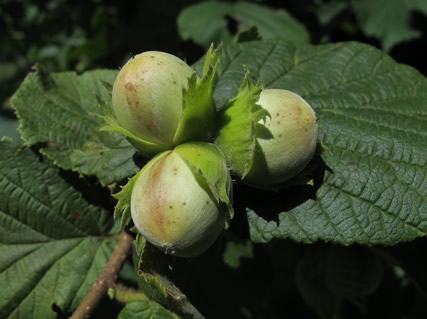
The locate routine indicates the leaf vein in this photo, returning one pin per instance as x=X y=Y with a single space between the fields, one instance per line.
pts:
x=49 y=209
x=387 y=214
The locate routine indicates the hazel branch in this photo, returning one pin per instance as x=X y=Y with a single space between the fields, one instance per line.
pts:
x=107 y=278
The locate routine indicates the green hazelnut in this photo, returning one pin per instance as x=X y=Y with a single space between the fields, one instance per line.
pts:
x=289 y=144
x=173 y=208
x=147 y=96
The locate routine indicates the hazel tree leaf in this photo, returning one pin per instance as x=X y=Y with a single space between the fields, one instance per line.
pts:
x=329 y=10
x=418 y=5
x=56 y=109
x=372 y=113
x=102 y=155
x=205 y=22
x=145 y=310
x=249 y=34
x=387 y=20
x=53 y=243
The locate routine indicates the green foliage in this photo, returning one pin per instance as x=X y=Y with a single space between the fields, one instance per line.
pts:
x=61 y=34
x=58 y=109
x=234 y=252
x=369 y=111
x=37 y=30
x=53 y=242
x=372 y=190
x=205 y=22
x=386 y=20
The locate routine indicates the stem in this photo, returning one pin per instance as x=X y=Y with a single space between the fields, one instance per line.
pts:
x=106 y=279
x=125 y=294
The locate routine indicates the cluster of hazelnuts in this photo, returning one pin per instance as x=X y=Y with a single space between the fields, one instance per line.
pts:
x=181 y=200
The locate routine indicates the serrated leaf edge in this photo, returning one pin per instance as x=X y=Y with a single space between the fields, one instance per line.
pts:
x=206 y=110
x=248 y=95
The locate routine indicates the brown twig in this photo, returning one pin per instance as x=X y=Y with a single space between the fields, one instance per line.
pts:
x=106 y=279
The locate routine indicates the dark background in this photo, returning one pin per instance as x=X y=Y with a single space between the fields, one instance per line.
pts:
x=88 y=34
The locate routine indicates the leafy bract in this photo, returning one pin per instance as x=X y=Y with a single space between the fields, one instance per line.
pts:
x=53 y=243
x=145 y=261
x=145 y=310
x=55 y=109
x=208 y=166
x=372 y=121
x=205 y=22
x=152 y=277
x=236 y=135
x=198 y=119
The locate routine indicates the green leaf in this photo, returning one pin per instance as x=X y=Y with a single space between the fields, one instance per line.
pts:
x=106 y=155
x=209 y=168
x=271 y=23
x=329 y=10
x=145 y=310
x=198 y=118
x=387 y=20
x=53 y=243
x=373 y=121
x=249 y=34
x=205 y=22
x=236 y=135
x=55 y=109
x=151 y=267
x=418 y=5
x=234 y=252
x=146 y=260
